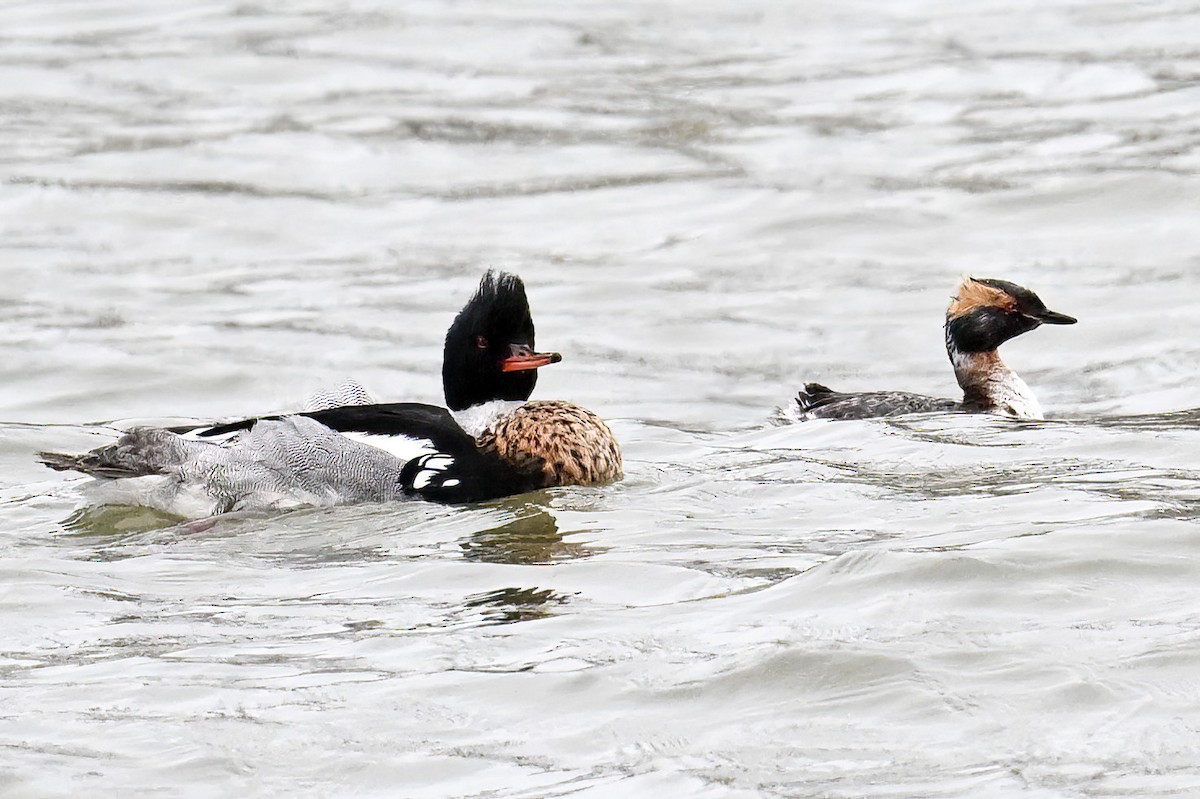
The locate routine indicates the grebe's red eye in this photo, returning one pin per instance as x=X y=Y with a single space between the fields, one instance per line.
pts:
x=481 y=342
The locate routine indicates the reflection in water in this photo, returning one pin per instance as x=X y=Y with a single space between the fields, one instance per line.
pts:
x=531 y=538
x=112 y=520
x=1181 y=420
x=508 y=605
x=529 y=534
x=986 y=479
x=118 y=532
x=1104 y=479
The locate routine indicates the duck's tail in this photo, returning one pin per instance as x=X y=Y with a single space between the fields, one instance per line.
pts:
x=140 y=452
x=813 y=396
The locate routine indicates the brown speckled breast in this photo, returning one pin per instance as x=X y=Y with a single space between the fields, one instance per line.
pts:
x=567 y=444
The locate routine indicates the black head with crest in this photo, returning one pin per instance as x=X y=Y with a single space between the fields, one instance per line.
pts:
x=489 y=353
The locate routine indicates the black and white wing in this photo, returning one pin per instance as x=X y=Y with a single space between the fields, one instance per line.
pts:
x=442 y=462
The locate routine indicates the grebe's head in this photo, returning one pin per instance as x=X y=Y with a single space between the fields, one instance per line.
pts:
x=985 y=313
x=489 y=353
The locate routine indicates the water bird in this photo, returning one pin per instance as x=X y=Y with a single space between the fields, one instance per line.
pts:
x=491 y=441
x=983 y=314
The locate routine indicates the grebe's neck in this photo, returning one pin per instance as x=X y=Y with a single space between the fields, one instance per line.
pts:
x=990 y=386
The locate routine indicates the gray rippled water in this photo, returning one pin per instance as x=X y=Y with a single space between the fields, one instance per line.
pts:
x=209 y=209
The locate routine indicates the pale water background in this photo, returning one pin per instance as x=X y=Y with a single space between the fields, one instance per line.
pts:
x=209 y=209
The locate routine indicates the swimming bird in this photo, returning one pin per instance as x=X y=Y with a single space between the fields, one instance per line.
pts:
x=983 y=314
x=491 y=441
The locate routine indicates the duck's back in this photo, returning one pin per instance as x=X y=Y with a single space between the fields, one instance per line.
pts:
x=271 y=464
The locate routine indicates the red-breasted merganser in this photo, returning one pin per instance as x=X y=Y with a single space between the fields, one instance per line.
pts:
x=983 y=314
x=492 y=442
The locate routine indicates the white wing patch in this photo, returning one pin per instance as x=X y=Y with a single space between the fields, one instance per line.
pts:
x=431 y=467
x=194 y=435
x=403 y=447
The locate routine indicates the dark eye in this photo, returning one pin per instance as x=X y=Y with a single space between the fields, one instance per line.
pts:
x=481 y=342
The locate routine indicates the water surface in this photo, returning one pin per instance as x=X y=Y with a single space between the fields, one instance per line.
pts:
x=210 y=209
